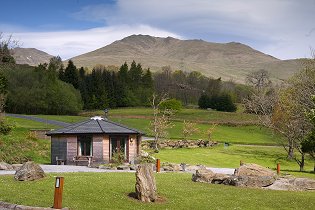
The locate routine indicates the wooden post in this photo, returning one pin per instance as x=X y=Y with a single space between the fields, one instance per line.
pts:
x=58 y=193
x=278 y=168
x=158 y=165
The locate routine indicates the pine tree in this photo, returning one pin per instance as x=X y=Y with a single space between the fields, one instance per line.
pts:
x=71 y=75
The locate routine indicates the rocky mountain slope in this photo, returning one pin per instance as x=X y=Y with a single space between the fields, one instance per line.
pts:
x=30 y=56
x=231 y=61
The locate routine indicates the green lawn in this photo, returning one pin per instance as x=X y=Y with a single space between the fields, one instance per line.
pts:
x=197 y=115
x=233 y=134
x=110 y=190
x=230 y=157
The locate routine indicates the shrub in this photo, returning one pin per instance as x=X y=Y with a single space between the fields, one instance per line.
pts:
x=5 y=127
x=171 y=104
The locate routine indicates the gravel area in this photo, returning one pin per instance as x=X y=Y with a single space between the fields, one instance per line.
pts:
x=73 y=169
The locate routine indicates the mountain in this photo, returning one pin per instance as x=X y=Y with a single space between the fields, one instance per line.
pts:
x=30 y=56
x=231 y=61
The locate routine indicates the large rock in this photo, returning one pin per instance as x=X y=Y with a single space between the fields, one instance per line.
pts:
x=250 y=169
x=29 y=171
x=207 y=176
x=171 y=167
x=145 y=183
x=293 y=184
x=250 y=181
x=6 y=166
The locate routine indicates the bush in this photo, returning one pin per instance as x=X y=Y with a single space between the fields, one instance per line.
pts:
x=5 y=127
x=221 y=102
x=171 y=104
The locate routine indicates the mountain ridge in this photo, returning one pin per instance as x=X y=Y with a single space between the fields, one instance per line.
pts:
x=231 y=61
x=30 y=56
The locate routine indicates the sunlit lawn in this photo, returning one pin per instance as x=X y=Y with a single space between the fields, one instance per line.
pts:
x=110 y=190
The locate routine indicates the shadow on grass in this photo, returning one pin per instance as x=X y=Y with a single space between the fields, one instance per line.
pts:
x=159 y=199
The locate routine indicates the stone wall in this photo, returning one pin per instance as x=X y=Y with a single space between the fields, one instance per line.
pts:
x=178 y=144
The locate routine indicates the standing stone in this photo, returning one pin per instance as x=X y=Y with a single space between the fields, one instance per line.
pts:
x=29 y=171
x=145 y=183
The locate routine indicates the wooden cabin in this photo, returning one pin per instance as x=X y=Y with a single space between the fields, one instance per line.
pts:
x=94 y=140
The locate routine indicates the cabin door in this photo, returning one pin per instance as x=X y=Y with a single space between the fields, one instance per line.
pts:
x=118 y=148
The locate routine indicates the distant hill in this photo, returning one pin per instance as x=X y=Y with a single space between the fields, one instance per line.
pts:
x=231 y=61
x=30 y=56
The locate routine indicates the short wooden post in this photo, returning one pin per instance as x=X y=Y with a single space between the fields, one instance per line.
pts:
x=58 y=193
x=278 y=168
x=158 y=165
x=241 y=163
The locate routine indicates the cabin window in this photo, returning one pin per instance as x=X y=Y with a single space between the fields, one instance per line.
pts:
x=118 y=144
x=85 y=145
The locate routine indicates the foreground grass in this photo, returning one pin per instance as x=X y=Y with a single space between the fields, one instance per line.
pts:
x=230 y=157
x=109 y=191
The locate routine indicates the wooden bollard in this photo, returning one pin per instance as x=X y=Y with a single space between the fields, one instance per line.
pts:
x=158 y=165
x=58 y=193
x=278 y=168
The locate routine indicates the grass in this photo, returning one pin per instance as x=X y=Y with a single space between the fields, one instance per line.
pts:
x=109 y=191
x=230 y=157
x=233 y=134
x=196 y=115
x=19 y=146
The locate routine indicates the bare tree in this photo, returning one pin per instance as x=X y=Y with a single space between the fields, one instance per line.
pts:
x=258 y=79
x=210 y=130
x=161 y=119
x=189 y=128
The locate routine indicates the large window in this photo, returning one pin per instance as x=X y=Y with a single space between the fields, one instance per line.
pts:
x=85 y=145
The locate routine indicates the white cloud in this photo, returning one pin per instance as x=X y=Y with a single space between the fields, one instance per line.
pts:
x=68 y=44
x=268 y=24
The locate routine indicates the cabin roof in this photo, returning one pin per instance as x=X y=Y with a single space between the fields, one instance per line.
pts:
x=95 y=125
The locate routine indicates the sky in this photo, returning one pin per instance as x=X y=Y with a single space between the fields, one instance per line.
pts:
x=284 y=29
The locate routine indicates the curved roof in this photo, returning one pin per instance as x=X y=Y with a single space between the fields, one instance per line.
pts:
x=95 y=125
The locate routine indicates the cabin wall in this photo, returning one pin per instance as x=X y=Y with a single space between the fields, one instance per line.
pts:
x=106 y=148
x=98 y=148
x=133 y=150
x=58 y=149
x=72 y=148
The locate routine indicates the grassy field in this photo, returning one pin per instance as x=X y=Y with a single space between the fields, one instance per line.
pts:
x=230 y=157
x=249 y=134
x=19 y=146
x=110 y=191
x=196 y=115
x=139 y=118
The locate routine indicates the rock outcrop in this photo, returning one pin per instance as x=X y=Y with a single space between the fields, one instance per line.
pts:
x=293 y=184
x=29 y=171
x=207 y=176
x=247 y=175
x=146 y=190
x=6 y=166
x=178 y=144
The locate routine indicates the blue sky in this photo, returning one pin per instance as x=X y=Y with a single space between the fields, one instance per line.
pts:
x=282 y=28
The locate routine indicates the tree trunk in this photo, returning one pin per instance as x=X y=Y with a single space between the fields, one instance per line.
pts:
x=290 y=152
x=302 y=163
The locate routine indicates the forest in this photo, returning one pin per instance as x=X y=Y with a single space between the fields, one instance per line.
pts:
x=54 y=89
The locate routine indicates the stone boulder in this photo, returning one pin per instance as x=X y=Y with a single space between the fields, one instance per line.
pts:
x=250 y=169
x=171 y=167
x=145 y=183
x=250 y=181
x=293 y=184
x=29 y=171
x=6 y=166
x=207 y=176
